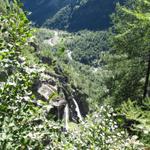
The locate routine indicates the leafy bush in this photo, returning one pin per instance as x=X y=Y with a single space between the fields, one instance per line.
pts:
x=99 y=131
x=140 y=115
x=26 y=126
x=15 y=90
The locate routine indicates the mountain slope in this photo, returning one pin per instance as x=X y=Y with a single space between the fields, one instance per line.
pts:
x=72 y=15
x=42 y=9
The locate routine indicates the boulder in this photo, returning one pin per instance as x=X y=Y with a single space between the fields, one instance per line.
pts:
x=46 y=91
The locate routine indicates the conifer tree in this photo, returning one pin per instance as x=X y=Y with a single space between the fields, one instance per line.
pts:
x=131 y=49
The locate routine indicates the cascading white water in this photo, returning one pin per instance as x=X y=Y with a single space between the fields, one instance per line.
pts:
x=66 y=116
x=78 y=110
x=69 y=53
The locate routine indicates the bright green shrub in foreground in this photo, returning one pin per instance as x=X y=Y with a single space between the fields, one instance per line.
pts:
x=24 y=125
x=140 y=115
x=99 y=131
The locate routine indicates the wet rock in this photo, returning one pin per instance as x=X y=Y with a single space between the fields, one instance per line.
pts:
x=59 y=103
x=58 y=108
x=46 y=91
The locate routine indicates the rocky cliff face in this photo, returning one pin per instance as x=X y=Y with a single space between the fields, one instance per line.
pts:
x=54 y=94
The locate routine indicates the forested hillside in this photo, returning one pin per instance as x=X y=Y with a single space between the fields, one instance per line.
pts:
x=86 y=90
x=72 y=15
x=87 y=47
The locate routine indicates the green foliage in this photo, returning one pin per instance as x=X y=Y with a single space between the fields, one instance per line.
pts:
x=43 y=51
x=43 y=34
x=98 y=131
x=141 y=115
x=91 y=80
x=16 y=111
x=23 y=125
x=60 y=20
x=14 y=34
x=88 y=46
x=3 y=6
x=130 y=42
x=127 y=63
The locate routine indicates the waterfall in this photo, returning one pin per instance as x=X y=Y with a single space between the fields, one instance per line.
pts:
x=66 y=116
x=78 y=110
x=69 y=53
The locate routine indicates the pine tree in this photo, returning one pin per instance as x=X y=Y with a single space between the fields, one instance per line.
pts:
x=131 y=49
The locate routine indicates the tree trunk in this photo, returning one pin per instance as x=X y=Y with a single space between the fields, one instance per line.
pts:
x=147 y=79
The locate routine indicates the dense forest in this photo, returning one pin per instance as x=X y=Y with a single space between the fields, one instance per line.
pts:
x=84 y=90
x=71 y=15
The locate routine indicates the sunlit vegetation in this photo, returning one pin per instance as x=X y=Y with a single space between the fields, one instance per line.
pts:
x=87 y=47
x=85 y=90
